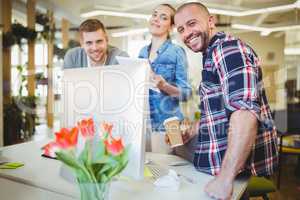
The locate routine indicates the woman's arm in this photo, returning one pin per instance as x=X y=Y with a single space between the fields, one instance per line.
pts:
x=164 y=86
x=182 y=88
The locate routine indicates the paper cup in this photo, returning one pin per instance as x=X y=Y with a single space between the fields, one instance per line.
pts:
x=185 y=125
x=172 y=126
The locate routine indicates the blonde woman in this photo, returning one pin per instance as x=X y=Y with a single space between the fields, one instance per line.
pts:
x=169 y=65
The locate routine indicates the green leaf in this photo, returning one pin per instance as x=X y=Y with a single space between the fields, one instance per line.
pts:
x=105 y=135
x=68 y=159
x=124 y=156
x=107 y=160
x=103 y=178
x=122 y=167
x=81 y=176
x=84 y=154
x=114 y=171
x=122 y=163
x=71 y=161
x=100 y=150
x=104 y=168
x=102 y=160
x=97 y=167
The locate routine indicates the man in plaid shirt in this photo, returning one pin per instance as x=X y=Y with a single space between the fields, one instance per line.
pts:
x=236 y=131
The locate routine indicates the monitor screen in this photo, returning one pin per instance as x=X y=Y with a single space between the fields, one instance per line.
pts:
x=117 y=94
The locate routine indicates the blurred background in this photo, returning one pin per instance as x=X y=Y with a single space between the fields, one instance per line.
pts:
x=37 y=33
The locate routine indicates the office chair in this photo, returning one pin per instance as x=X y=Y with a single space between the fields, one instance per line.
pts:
x=260 y=187
x=287 y=124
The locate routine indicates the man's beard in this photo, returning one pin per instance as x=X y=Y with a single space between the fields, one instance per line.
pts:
x=101 y=56
x=204 y=37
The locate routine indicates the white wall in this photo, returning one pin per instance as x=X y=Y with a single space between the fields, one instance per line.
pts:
x=120 y=42
x=1 y=82
x=265 y=46
x=270 y=50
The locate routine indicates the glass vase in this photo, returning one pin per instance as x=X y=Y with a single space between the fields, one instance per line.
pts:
x=94 y=191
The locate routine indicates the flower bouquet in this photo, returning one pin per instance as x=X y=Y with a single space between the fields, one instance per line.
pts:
x=101 y=158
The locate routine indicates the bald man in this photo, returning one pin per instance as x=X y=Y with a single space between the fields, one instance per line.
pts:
x=236 y=133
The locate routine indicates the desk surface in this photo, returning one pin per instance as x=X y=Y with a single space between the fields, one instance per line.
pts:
x=42 y=174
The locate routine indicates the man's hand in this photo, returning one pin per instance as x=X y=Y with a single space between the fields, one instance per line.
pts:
x=219 y=188
x=241 y=137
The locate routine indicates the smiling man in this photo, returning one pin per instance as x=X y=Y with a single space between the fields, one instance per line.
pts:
x=94 y=50
x=236 y=133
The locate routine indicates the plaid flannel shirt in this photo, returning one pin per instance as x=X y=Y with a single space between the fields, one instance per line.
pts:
x=231 y=81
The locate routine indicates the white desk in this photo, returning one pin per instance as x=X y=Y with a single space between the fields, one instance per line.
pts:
x=39 y=179
x=14 y=190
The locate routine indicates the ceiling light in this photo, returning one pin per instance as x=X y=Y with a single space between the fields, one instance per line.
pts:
x=113 y=13
x=243 y=13
x=265 y=33
x=249 y=27
x=297 y=3
x=285 y=28
x=225 y=12
x=292 y=51
x=265 y=30
x=130 y=32
x=268 y=10
x=234 y=13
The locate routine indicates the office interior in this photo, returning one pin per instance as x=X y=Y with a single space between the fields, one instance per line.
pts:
x=32 y=70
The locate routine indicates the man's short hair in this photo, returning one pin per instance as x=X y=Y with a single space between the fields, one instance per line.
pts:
x=197 y=4
x=91 y=25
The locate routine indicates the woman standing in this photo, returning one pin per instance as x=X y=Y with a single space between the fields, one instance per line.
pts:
x=169 y=66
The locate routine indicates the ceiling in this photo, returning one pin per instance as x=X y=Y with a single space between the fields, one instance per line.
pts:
x=74 y=8
x=229 y=13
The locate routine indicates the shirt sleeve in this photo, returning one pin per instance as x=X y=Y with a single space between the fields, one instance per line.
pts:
x=68 y=60
x=181 y=77
x=237 y=68
x=113 y=52
x=143 y=53
x=123 y=54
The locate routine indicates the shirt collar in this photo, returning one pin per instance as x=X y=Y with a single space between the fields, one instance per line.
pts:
x=88 y=61
x=162 y=48
x=219 y=36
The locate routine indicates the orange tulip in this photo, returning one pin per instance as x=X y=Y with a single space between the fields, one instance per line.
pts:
x=114 y=146
x=50 y=149
x=87 y=128
x=67 y=138
x=107 y=128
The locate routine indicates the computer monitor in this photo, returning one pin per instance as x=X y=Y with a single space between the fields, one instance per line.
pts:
x=116 y=94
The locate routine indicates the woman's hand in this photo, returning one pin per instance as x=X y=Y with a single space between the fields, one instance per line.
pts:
x=159 y=81
x=164 y=86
